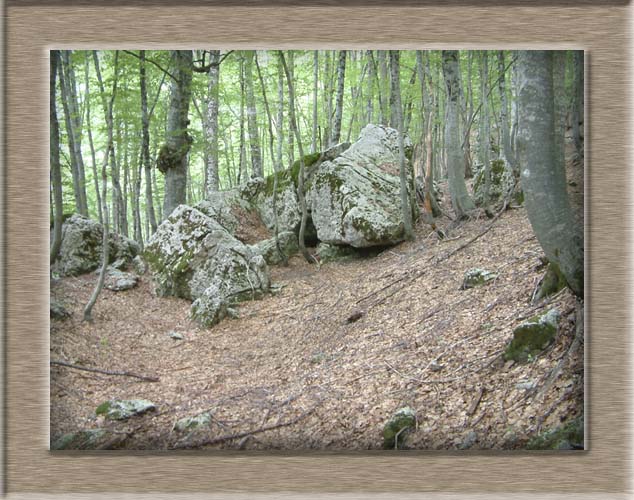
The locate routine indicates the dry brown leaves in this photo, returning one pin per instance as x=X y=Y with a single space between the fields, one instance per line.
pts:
x=418 y=340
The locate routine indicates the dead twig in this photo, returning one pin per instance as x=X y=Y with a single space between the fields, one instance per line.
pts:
x=105 y=372
x=239 y=435
x=475 y=402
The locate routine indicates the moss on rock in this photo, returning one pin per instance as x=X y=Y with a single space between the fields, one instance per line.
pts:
x=532 y=337
x=396 y=428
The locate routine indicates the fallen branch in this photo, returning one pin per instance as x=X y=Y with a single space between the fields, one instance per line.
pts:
x=105 y=372
x=476 y=402
x=239 y=435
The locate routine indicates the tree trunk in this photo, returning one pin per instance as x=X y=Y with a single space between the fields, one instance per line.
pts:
x=397 y=111
x=341 y=76
x=104 y=187
x=504 y=111
x=252 y=118
x=559 y=91
x=91 y=142
x=485 y=132
x=313 y=148
x=327 y=78
x=56 y=171
x=211 y=127
x=173 y=156
x=370 y=91
x=145 y=146
x=383 y=81
x=543 y=176
x=577 y=106
x=460 y=199
x=300 y=180
x=290 y=65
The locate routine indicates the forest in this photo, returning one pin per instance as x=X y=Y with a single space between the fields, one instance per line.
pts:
x=317 y=249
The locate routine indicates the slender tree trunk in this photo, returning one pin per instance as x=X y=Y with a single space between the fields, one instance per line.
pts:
x=126 y=180
x=211 y=127
x=468 y=162
x=461 y=201
x=276 y=166
x=56 y=171
x=514 y=117
x=504 y=111
x=313 y=148
x=104 y=187
x=252 y=117
x=485 y=133
x=300 y=180
x=145 y=146
x=243 y=153
x=397 y=111
x=90 y=140
x=280 y=112
x=328 y=90
x=383 y=82
x=290 y=65
x=173 y=157
x=543 y=176
x=341 y=75
x=370 y=89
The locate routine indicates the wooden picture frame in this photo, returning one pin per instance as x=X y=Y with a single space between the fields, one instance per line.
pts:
x=33 y=27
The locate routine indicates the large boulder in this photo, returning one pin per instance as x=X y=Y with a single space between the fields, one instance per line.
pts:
x=193 y=256
x=81 y=248
x=355 y=199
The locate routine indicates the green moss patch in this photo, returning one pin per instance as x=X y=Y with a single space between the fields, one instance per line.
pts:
x=532 y=337
x=565 y=437
x=395 y=429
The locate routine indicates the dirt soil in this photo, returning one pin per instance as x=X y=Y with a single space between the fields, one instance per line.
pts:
x=324 y=363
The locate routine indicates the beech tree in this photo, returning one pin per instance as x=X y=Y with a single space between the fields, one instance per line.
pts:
x=543 y=175
x=460 y=199
x=56 y=172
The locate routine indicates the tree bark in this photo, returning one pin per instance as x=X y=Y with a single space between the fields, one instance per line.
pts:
x=370 y=91
x=252 y=117
x=397 y=111
x=341 y=76
x=543 y=176
x=212 y=177
x=577 y=107
x=461 y=201
x=280 y=112
x=173 y=156
x=504 y=111
x=104 y=187
x=95 y=175
x=485 y=133
x=145 y=146
x=300 y=180
x=313 y=148
x=56 y=171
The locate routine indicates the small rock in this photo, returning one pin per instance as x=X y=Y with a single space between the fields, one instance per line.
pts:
x=526 y=385
x=124 y=409
x=477 y=277
x=533 y=336
x=193 y=423
x=435 y=367
x=175 y=335
x=395 y=429
x=469 y=440
x=58 y=311
x=118 y=281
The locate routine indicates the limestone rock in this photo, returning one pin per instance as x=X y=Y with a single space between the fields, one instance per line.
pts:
x=330 y=253
x=89 y=439
x=355 y=198
x=268 y=249
x=502 y=182
x=123 y=409
x=395 y=429
x=81 y=248
x=194 y=257
x=533 y=336
x=477 y=277
x=192 y=423
x=118 y=281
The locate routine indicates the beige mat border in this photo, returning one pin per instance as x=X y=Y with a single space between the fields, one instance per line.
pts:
x=34 y=28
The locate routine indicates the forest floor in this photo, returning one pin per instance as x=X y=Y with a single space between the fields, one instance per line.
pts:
x=324 y=363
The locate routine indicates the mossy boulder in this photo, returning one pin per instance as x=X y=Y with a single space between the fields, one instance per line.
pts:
x=395 y=429
x=117 y=409
x=477 y=277
x=355 y=198
x=193 y=257
x=502 y=183
x=81 y=248
x=533 y=336
x=568 y=436
x=89 y=439
x=289 y=246
x=189 y=424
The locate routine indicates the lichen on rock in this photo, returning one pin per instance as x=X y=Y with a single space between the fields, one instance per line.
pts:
x=533 y=336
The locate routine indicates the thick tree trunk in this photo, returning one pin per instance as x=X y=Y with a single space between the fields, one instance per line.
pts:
x=145 y=146
x=397 y=111
x=577 y=103
x=173 y=156
x=56 y=171
x=252 y=117
x=559 y=91
x=543 y=176
x=211 y=126
x=461 y=201
x=341 y=76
